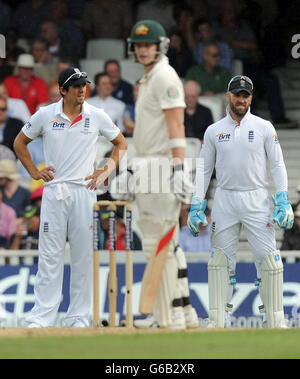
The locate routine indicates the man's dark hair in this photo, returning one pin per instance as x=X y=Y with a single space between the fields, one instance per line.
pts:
x=98 y=76
x=200 y=21
x=115 y=61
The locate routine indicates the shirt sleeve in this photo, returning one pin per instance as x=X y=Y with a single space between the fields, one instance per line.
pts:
x=107 y=127
x=169 y=92
x=207 y=160
x=275 y=156
x=34 y=127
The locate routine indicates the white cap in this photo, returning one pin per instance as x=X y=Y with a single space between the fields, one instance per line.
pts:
x=25 y=60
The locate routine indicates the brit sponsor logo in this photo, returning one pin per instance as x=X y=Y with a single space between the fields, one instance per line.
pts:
x=57 y=125
x=224 y=137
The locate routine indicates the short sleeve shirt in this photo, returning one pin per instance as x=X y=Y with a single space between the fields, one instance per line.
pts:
x=161 y=89
x=70 y=147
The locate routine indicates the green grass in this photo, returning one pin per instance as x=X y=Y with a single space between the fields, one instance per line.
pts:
x=194 y=345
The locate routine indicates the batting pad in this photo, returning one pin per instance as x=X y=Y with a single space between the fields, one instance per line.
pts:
x=272 y=289
x=218 y=285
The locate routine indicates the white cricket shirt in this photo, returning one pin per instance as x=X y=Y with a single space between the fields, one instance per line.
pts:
x=240 y=152
x=160 y=89
x=113 y=107
x=70 y=147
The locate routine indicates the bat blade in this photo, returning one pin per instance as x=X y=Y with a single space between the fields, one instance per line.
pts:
x=153 y=273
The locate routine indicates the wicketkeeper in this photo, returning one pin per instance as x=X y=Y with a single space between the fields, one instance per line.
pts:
x=239 y=147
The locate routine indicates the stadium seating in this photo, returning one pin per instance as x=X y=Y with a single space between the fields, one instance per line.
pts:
x=105 y=49
x=131 y=71
x=91 y=67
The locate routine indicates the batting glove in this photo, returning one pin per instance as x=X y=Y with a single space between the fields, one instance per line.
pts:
x=181 y=184
x=196 y=216
x=283 y=214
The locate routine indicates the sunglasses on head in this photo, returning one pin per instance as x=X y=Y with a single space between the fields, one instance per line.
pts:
x=75 y=76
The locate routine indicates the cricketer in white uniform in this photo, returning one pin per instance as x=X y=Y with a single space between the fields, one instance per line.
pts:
x=158 y=135
x=70 y=129
x=239 y=147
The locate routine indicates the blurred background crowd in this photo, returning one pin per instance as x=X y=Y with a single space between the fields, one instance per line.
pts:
x=210 y=41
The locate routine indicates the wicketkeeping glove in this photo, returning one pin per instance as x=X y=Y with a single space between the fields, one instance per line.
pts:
x=283 y=214
x=197 y=216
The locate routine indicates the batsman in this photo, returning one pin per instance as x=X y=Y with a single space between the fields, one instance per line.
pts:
x=159 y=134
x=240 y=147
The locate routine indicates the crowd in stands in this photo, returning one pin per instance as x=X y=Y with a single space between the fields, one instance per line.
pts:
x=206 y=37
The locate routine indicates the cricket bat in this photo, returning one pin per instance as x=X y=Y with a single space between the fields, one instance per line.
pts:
x=153 y=272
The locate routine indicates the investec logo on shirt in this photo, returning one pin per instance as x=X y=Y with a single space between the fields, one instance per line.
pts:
x=57 y=125
x=223 y=137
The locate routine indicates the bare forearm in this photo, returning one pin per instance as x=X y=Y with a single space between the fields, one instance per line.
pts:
x=24 y=156
x=20 y=146
x=175 y=123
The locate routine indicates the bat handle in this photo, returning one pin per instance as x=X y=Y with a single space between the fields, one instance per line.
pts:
x=96 y=294
x=129 y=265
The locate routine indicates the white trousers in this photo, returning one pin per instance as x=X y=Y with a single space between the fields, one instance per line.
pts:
x=67 y=213
x=233 y=210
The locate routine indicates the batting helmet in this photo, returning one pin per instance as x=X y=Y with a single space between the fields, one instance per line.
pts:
x=148 y=31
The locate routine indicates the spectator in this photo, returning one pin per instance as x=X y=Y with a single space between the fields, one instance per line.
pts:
x=187 y=241
x=238 y=34
x=25 y=85
x=54 y=94
x=129 y=113
x=49 y=31
x=42 y=67
x=17 y=108
x=196 y=116
x=14 y=195
x=291 y=239
x=28 y=17
x=203 y=32
x=122 y=90
x=6 y=154
x=107 y=19
x=184 y=18
x=9 y=127
x=113 y=107
x=8 y=223
x=27 y=234
x=5 y=69
x=36 y=149
x=69 y=33
x=180 y=56
x=157 y=10
x=5 y=16
x=212 y=78
x=7 y=65
x=120 y=232
x=36 y=197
